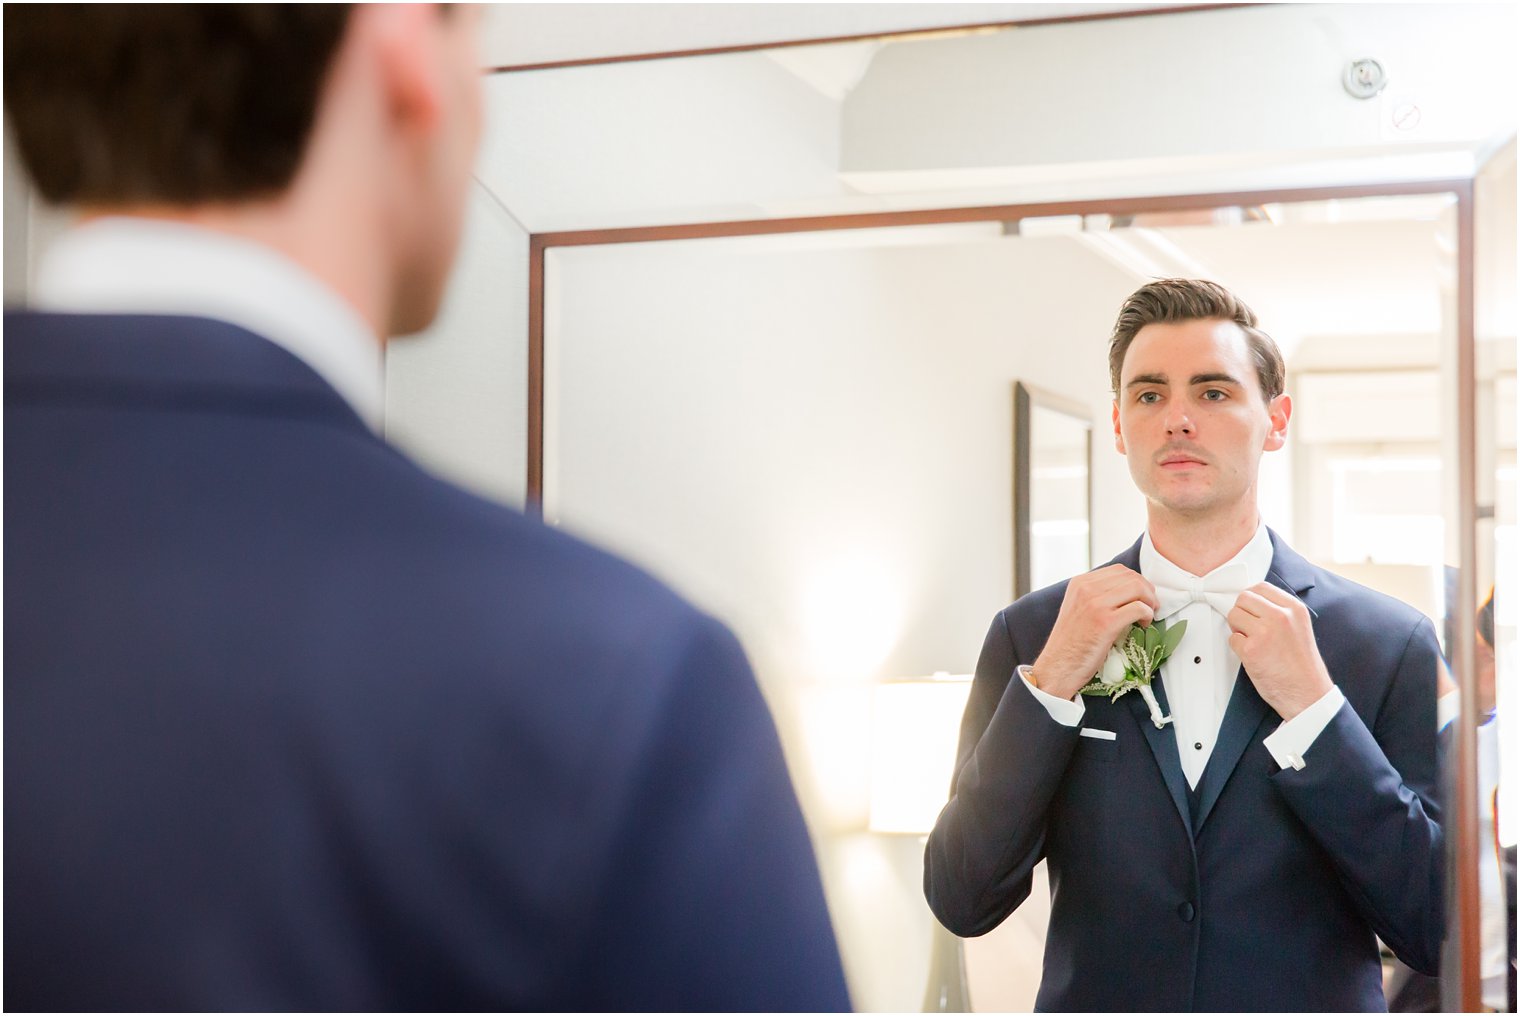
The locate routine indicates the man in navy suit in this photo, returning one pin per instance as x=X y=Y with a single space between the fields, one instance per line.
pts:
x=289 y=722
x=1240 y=847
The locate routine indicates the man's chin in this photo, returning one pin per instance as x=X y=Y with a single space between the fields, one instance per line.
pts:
x=1188 y=503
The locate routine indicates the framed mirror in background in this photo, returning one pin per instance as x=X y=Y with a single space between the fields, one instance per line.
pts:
x=851 y=520
x=1052 y=488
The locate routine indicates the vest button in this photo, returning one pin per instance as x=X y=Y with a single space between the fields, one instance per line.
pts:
x=1185 y=911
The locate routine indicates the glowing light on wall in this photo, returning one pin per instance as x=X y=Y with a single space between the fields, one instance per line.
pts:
x=836 y=731
x=851 y=618
x=914 y=729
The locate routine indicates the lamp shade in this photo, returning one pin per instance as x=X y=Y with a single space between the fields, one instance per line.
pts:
x=913 y=735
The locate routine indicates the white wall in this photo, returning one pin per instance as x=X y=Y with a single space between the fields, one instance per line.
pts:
x=711 y=389
x=814 y=443
x=17 y=198
x=456 y=396
x=31 y=225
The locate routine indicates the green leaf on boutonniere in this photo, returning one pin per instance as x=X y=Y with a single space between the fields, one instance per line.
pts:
x=1170 y=637
x=1134 y=661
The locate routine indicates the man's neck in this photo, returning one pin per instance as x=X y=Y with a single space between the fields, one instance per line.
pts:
x=1199 y=544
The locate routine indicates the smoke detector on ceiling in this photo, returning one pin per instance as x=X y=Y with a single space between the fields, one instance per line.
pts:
x=1364 y=78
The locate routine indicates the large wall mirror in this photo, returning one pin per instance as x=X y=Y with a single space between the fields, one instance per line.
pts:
x=751 y=319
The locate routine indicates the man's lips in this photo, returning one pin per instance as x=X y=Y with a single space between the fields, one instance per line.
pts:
x=1181 y=461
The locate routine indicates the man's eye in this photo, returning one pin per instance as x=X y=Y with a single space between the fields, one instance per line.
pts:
x=1149 y=398
x=1214 y=395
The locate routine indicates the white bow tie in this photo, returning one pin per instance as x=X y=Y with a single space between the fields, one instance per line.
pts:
x=1219 y=589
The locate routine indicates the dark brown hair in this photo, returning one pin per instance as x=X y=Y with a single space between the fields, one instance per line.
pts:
x=1168 y=301
x=165 y=103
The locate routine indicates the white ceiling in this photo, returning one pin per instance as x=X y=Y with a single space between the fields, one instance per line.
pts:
x=1369 y=279
x=769 y=133
x=1327 y=271
x=756 y=135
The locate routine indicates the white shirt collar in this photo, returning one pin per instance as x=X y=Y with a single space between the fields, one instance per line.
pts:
x=147 y=266
x=1252 y=562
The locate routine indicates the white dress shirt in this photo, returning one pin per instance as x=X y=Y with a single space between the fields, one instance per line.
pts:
x=1199 y=677
x=123 y=265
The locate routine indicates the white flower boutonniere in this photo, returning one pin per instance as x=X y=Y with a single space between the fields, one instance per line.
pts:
x=1133 y=661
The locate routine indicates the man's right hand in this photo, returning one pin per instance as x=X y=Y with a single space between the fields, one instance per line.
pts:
x=1099 y=607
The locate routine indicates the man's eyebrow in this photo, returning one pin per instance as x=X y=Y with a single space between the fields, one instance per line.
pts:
x=1196 y=379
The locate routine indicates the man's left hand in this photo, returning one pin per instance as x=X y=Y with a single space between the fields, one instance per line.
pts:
x=1271 y=632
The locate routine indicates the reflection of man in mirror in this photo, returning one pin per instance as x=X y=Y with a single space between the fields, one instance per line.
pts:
x=1243 y=845
x=1496 y=863
x=1408 y=990
x=289 y=722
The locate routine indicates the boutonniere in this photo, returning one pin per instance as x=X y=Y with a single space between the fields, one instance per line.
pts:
x=1133 y=661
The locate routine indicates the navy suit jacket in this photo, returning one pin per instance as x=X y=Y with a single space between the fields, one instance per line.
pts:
x=1269 y=897
x=292 y=724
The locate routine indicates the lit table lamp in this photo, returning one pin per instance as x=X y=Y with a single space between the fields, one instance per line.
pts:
x=914 y=727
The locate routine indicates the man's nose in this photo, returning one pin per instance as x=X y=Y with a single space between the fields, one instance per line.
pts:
x=1178 y=421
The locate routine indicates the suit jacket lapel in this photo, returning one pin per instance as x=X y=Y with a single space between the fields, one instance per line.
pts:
x=1247 y=711
x=1290 y=572
x=1163 y=745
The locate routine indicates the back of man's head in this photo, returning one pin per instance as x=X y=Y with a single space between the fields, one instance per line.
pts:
x=343 y=135
x=172 y=104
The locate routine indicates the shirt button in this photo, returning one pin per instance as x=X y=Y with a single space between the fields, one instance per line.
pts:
x=1185 y=911
x=1196 y=744
x=1198 y=659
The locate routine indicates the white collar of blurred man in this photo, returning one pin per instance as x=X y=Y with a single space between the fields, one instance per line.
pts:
x=128 y=265
x=376 y=206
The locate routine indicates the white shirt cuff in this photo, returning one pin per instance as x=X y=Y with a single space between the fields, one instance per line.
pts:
x=1064 y=711
x=1294 y=737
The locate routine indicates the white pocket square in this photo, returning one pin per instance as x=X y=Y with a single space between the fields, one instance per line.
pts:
x=1102 y=735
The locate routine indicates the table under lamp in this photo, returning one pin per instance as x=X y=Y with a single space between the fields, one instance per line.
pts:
x=914 y=727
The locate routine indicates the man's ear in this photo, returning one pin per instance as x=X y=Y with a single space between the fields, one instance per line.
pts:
x=404 y=37
x=1118 y=434
x=1278 y=412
